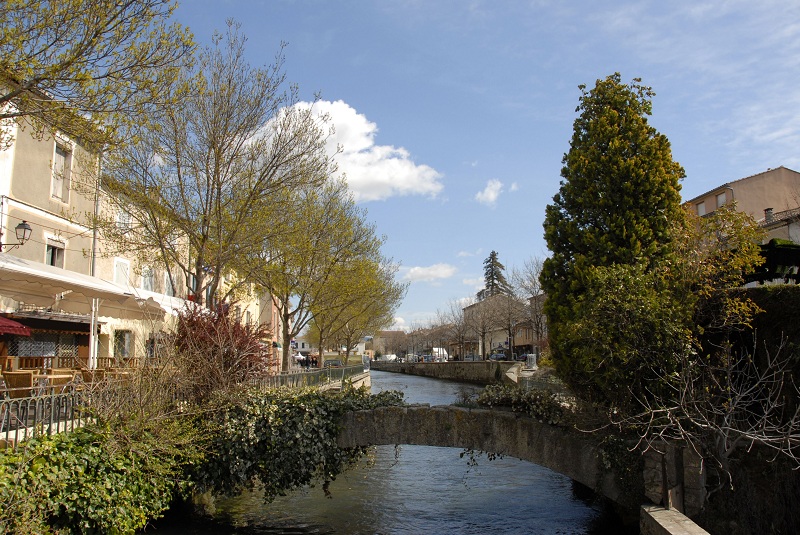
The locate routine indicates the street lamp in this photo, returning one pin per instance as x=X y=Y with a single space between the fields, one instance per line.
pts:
x=23 y=231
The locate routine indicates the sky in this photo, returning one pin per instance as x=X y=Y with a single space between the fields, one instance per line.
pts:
x=454 y=115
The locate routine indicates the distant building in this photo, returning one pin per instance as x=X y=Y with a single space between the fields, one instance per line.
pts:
x=772 y=198
x=773 y=191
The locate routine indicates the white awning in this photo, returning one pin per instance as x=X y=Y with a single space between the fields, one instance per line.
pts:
x=44 y=285
x=19 y=276
x=169 y=304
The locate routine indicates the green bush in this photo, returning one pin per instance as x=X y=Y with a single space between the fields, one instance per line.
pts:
x=280 y=440
x=86 y=481
x=114 y=478
x=546 y=407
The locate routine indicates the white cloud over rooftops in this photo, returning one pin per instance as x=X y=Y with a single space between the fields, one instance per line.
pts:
x=374 y=172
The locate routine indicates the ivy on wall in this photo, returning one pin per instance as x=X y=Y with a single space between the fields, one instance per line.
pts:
x=281 y=440
x=115 y=477
x=83 y=482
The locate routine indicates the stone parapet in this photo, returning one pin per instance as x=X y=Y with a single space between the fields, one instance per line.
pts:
x=655 y=520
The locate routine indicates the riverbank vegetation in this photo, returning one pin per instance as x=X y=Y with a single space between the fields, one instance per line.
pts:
x=164 y=435
x=116 y=475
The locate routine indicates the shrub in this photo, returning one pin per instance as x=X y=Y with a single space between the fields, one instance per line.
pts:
x=85 y=482
x=281 y=439
x=214 y=351
x=546 y=407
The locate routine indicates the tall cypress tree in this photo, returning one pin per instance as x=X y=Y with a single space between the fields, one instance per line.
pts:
x=494 y=277
x=619 y=195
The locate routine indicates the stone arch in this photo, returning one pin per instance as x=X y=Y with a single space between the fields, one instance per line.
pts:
x=562 y=450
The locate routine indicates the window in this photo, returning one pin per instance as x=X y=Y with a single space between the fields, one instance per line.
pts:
x=721 y=198
x=121 y=270
x=701 y=208
x=54 y=255
x=122 y=345
x=123 y=221
x=168 y=289
x=62 y=162
x=148 y=279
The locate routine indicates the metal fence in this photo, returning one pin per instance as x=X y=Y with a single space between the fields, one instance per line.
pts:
x=25 y=418
x=301 y=379
x=28 y=417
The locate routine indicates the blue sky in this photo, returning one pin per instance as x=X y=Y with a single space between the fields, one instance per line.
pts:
x=454 y=115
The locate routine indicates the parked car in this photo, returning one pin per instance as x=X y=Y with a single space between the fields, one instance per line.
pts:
x=332 y=363
x=498 y=356
x=524 y=357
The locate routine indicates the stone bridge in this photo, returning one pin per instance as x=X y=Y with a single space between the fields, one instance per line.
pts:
x=674 y=479
x=562 y=450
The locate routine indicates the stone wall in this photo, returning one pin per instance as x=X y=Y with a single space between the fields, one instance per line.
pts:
x=479 y=372
x=655 y=520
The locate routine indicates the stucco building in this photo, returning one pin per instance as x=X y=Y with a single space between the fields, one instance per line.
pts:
x=83 y=306
x=773 y=191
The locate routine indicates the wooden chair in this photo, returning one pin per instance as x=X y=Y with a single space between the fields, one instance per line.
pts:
x=58 y=385
x=19 y=384
x=92 y=376
x=61 y=371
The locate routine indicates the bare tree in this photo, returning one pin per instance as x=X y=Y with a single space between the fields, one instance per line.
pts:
x=394 y=342
x=458 y=329
x=722 y=409
x=508 y=311
x=480 y=320
x=527 y=286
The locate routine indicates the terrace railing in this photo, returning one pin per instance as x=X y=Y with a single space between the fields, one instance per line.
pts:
x=318 y=378
x=28 y=417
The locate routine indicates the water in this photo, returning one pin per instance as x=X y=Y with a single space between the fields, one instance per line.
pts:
x=418 y=489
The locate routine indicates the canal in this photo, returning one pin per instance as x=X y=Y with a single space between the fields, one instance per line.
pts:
x=419 y=489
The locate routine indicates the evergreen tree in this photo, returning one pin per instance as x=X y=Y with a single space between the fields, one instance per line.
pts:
x=619 y=196
x=494 y=277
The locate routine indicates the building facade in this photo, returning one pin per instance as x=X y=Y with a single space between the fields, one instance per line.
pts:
x=774 y=190
x=83 y=306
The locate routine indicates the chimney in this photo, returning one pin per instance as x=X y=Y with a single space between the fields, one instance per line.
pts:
x=767 y=215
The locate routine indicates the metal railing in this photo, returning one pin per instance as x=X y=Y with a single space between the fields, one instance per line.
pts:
x=321 y=377
x=47 y=414
x=25 y=418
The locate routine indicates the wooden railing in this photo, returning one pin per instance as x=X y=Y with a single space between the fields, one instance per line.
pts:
x=14 y=363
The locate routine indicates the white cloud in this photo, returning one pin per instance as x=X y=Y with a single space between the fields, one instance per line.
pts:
x=490 y=193
x=374 y=172
x=476 y=283
x=468 y=254
x=432 y=273
x=399 y=324
x=514 y=187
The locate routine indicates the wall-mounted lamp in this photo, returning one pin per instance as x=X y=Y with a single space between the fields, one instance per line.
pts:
x=23 y=231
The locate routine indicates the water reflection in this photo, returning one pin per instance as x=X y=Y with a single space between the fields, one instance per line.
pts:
x=418 y=489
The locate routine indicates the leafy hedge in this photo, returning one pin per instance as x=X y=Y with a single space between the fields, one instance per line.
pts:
x=112 y=479
x=280 y=440
x=545 y=406
x=84 y=482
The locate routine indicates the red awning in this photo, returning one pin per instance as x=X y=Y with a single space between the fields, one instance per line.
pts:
x=8 y=326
